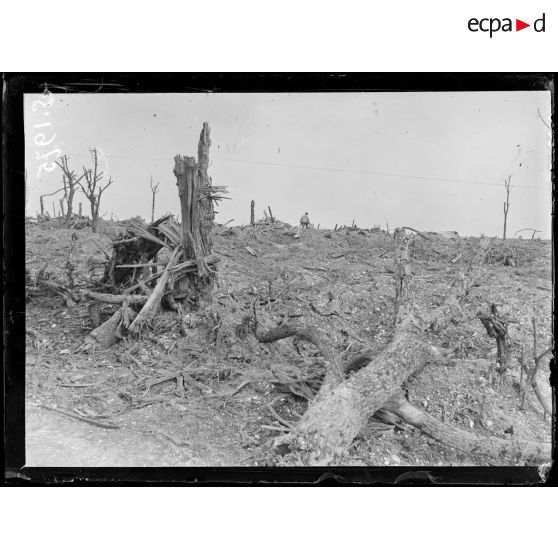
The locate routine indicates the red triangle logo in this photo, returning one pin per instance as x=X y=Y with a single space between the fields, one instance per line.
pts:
x=519 y=25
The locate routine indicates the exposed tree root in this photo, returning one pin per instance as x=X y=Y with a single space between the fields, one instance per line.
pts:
x=334 y=374
x=100 y=424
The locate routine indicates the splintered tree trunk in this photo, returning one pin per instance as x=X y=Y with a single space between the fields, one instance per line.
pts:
x=42 y=205
x=196 y=205
x=80 y=210
x=252 y=211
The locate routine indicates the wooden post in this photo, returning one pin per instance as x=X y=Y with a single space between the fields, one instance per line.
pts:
x=271 y=214
x=42 y=205
x=80 y=209
x=154 y=189
x=196 y=205
x=252 y=210
x=53 y=210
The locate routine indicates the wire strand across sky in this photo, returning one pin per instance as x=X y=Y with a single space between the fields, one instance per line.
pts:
x=331 y=169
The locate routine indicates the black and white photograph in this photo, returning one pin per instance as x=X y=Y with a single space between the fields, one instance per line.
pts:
x=288 y=279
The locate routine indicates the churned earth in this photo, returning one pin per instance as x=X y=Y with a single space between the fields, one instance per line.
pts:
x=136 y=410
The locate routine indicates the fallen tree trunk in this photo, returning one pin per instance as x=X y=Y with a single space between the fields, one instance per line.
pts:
x=335 y=418
x=108 y=298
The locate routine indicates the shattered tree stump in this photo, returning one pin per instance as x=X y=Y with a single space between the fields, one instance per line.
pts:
x=198 y=214
x=497 y=328
x=111 y=331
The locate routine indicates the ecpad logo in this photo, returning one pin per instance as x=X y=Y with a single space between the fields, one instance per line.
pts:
x=494 y=24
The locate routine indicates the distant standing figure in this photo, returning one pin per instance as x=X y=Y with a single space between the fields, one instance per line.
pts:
x=305 y=221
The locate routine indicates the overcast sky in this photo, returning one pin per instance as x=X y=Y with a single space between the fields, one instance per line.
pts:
x=433 y=161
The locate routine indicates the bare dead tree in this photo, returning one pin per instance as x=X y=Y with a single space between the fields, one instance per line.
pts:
x=93 y=189
x=154 y=189
x=507 y=186
x=70 y=185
